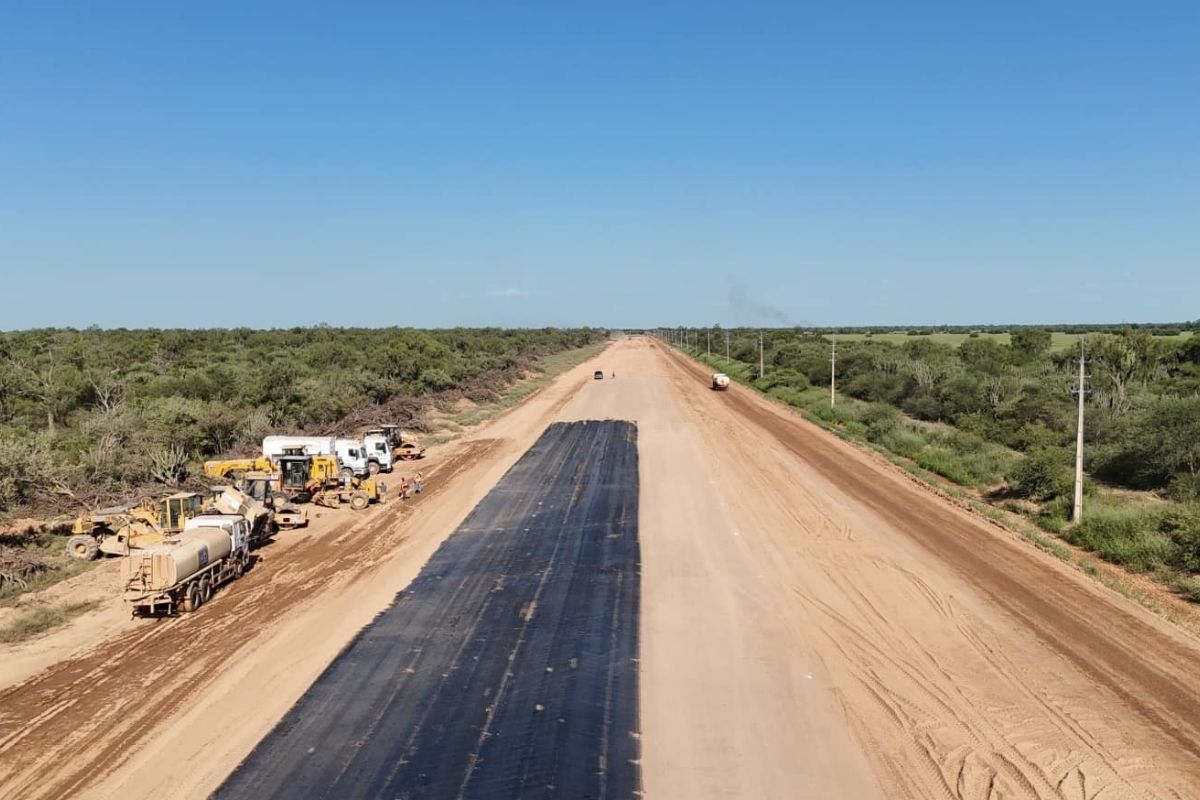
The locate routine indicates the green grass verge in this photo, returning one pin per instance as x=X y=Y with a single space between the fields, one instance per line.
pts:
x=40 y=620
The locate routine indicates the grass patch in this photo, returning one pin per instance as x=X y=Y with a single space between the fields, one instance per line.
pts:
x=1125 y=535
x=40 y=620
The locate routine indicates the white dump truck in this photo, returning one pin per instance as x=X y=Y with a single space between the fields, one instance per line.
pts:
x=720 y=381
x=182 y=573
x=351 y=453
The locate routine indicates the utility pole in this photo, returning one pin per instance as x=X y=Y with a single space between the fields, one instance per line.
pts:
x=833 y=371
x=1077 y=512
x=760 y=354
x=708 y=343
x=726 y=347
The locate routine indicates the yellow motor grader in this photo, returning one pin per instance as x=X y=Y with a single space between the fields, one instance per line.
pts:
x=297 y=477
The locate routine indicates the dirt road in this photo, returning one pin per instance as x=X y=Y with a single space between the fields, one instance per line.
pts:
x=813 y=624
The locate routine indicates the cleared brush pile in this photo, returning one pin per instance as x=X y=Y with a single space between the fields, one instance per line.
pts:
x=17 y=567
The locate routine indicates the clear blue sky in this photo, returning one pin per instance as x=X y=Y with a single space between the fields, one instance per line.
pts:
x=211 y=163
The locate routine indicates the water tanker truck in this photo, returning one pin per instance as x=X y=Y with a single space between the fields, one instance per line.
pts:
x=181 y=573
x=720 y=381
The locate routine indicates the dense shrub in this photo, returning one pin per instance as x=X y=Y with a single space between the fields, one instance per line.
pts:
x=90 y=412
x=1043 y=474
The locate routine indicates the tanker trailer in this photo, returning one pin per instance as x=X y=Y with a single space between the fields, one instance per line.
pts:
x=182 y=573
x=720 y=381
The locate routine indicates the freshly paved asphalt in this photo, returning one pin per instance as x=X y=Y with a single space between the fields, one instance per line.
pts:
x=508 y=669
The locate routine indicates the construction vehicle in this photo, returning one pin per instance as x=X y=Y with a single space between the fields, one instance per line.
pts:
x=357 y=492
x=404 y=447
x=235 y=467
x=230 y=500
x=142 y=523
x=720 y=381
x=117 y=530
x=182 y=572
x=350 y=453
x=380 y=457
x=266 y=487
x=299 y=474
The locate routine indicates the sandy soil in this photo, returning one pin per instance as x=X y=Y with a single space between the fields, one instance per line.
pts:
x=968 y=663
x=813 y=625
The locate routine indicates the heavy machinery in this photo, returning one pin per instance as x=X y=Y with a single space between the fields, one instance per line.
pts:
x=350 y=453
x=266 y=488
x=720 y=381
x=183 y=571
x=298 y=473
x=230 y=500
x=141 y=523
x=358 y=492
x=146 y=522
x=320 y=479
x=235 y=467
x=404 y=447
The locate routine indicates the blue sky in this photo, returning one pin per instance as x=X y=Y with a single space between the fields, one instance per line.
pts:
x=624 y=164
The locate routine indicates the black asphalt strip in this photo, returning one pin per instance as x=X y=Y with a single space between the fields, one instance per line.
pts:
x=507 y=669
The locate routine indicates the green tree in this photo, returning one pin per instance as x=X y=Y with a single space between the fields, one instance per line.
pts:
x=1031 y=343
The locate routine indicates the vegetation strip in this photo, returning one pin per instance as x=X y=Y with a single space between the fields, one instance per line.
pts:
x=121 y=394
x=993 y=420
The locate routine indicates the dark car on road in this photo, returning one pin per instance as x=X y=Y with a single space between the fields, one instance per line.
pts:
x=598 y=375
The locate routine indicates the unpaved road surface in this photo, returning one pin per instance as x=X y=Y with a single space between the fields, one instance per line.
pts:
x=812 y=625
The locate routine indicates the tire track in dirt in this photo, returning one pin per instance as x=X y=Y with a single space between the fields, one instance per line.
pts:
x=945 y=701
x=75 y=722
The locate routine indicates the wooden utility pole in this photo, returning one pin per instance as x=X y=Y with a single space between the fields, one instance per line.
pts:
x=727 y=347
x=708 y=343
x=1077 y=512
x=833 y=372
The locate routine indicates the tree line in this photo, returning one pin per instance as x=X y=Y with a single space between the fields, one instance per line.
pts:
x=89 y=414
x=1143 y=401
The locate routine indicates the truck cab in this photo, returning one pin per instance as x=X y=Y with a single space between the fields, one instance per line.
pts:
x=352 y=455
x=379 y=453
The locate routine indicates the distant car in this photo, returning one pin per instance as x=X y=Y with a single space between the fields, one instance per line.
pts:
x=598 y=375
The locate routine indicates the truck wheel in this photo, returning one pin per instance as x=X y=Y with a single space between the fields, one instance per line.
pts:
x=347 y=473
x=372 y=467
x=280 y=498
x=84 y=548
x=205 y=590
x=359 y=501
x=191 y=598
